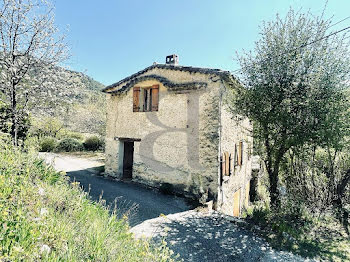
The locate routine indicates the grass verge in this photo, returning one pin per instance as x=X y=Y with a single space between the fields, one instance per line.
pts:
x=320 y=238
x=45 y=218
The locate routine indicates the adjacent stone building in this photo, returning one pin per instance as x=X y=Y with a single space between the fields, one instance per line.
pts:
x=169 y=126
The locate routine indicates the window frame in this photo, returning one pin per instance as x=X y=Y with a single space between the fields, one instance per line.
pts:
x=146 y=99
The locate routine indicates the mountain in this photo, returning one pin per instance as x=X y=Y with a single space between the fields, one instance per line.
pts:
x=78 y=102
x=88 y=82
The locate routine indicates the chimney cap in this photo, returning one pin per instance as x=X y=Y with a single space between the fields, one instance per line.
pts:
x=172 y=59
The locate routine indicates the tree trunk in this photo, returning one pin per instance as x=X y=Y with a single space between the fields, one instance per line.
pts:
x=14 y=126
x=273 y=180
x=343 y=214
x=274 y=193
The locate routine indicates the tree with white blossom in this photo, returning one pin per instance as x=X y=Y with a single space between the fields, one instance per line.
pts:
x=31 y=49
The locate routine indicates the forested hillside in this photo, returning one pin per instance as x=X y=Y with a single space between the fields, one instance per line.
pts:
x=78 y=103
x=56 y=105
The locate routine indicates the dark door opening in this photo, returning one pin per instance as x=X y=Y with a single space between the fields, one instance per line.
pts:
x=128 y=160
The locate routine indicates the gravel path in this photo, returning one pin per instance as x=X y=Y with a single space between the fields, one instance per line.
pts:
x=200 y=237
x=196 y=236
x=136 y=202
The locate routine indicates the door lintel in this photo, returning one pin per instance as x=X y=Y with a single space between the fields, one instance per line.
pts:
x=127 y=139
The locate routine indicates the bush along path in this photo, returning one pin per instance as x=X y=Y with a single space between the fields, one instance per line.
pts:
x=46 y=218
x=70 y=144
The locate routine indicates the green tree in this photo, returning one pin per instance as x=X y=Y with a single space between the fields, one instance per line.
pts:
x=6 y=124
x=46 y=126
x=294 y=87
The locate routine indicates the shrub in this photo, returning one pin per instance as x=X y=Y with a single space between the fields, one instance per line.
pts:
x=69 y=145
x=75 y=135
x=259 y=214
x=5 y=138
x=32 y=143
x=64 y=133
x=93 y=143
x=47 y=144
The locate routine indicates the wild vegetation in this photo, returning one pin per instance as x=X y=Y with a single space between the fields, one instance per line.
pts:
x=45 y=107
x=297 y=84
x=43 y=217
x=50 y=136
x=33 y=83
x=30 y=45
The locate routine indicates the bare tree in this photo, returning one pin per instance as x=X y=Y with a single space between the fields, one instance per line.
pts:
x=30 y=47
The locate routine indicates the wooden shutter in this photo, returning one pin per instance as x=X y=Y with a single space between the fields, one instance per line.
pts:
x=155 y=97
x=240 y=153
x=227 y=163
x=136 y=99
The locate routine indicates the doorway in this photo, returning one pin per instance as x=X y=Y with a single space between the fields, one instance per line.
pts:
x=128 y=160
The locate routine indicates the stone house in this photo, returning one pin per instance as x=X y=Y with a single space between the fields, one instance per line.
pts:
x=169 y=126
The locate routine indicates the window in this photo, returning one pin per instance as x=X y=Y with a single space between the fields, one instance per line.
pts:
x=145 y=99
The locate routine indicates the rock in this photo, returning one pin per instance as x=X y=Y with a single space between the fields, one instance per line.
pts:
x=43 y=211
x=45 y=249
x=41 y=191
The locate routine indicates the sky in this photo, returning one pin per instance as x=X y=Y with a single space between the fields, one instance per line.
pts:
x=112 y=39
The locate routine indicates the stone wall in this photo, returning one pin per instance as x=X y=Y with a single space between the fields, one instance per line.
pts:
x=233 y=130
x=179 y=142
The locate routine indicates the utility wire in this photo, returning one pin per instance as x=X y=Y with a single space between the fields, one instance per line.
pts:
x=317 y=40
x=312 y=42
x=339 y=21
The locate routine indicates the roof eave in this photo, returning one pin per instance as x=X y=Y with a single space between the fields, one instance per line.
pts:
x=218 y=72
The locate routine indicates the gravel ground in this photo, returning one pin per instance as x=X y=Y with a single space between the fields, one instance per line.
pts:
x=195 y=236
x=200 y=237
x=70 y=163
x=136 y=202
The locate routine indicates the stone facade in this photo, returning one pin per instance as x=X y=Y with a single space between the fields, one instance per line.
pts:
x=237 y=183
x=181 y=143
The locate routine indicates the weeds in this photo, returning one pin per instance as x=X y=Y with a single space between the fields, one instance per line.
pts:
x=44 y=218
x=297 y=231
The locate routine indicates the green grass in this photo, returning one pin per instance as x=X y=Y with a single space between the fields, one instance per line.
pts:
x=45 y=218
x=322 y=238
